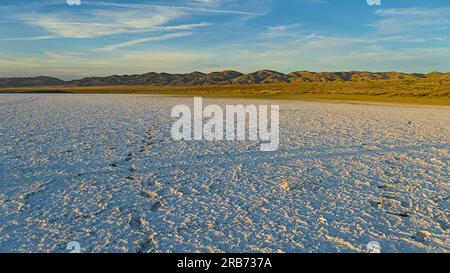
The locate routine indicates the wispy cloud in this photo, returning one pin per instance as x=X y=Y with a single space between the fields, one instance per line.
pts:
x=145 y=40
x=283 y=30
x=112 y=18
x=173 y=7
x=284 y=27
x=394 y=21
x=31 y=38
x=98 y=23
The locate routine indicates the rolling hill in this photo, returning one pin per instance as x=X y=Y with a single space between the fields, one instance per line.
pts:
x=30 y=82
x=227 y=77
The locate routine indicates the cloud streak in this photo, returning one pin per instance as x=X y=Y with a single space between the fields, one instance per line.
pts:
x=173 y=7
x=115 y=18
x=98 y=23
x=32 y=38
x=394 y=21
x=164 y=37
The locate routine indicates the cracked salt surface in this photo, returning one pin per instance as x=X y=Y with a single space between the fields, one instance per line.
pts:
x=103 y=170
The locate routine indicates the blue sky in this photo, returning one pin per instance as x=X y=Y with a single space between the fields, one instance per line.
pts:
x=50 y=37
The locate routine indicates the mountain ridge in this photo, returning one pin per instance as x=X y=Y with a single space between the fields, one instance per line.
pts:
x=227 y=77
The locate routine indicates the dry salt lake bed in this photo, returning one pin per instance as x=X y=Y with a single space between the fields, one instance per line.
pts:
x=103 y=170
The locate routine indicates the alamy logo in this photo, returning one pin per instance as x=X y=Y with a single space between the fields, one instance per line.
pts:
x=73 y=2
x=374 y=2
x=238 y=118
x=373 y=247
x=73 y=247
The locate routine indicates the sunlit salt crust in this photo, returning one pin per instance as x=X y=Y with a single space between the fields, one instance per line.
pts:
x=103 y=170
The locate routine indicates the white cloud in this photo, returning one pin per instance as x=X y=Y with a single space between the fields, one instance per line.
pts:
x=189 y=9
x=112 y=18
x=394 y=21
x=284 y=27
x=99 y=23
x=32 y=38
x=163 y=37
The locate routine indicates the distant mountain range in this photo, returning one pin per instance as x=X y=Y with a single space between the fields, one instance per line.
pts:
x=220 y=78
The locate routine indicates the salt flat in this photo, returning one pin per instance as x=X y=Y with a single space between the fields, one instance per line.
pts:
x=103 y=170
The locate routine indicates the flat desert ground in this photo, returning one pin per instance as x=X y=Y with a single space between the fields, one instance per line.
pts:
x=104 y=171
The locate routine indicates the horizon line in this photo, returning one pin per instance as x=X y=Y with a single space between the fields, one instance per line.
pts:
x=229 y=70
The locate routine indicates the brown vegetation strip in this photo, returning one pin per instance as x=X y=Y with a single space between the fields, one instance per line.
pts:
x=422 y=91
